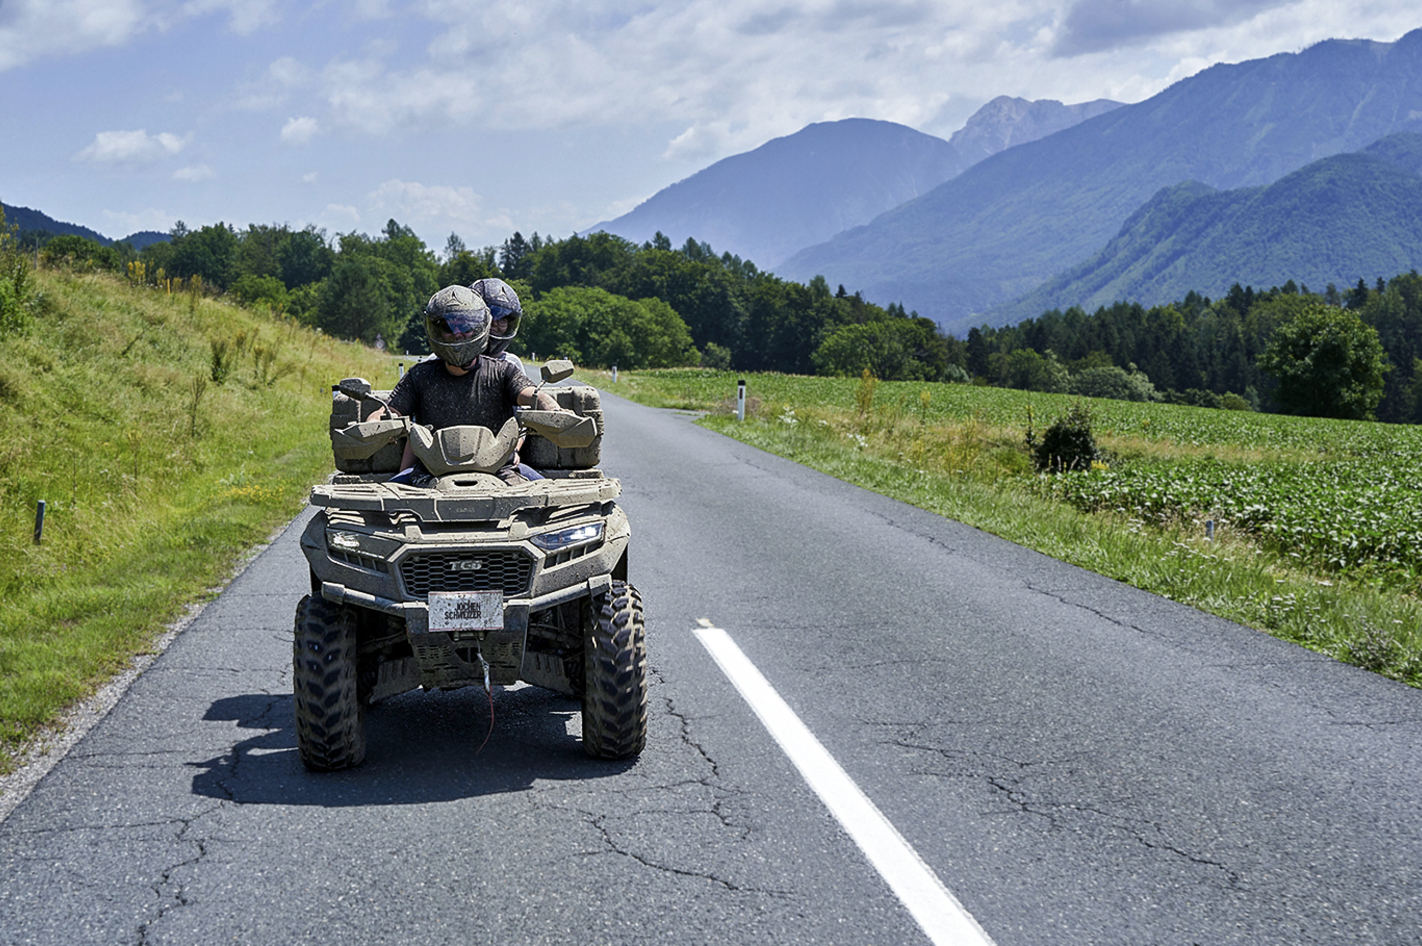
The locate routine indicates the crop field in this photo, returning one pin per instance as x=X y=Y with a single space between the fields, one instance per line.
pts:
x=1308 y=528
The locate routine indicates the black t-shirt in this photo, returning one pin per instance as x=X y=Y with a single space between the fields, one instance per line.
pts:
x=484 y=395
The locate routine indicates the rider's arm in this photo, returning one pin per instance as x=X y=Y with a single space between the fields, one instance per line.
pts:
x=542 y=400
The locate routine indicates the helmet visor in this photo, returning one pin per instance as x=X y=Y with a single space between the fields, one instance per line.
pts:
x=505 y=322
x=459 y=326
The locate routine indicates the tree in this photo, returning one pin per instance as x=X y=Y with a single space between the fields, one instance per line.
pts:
x=80 y=252
x=594 y=327
x=305 y=258
x=466 y=266
x=210 y=253
x=1328 y=364
x=355 y=303
x=454 y=246
x=1026 y=370
x=260 y=290
x=1112 y=382
x=513 y=257
x=886 y=348
x=977 y=353
x=258 y=249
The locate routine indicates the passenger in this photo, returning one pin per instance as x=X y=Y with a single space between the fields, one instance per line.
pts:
x=465 y=386
x=505 y=311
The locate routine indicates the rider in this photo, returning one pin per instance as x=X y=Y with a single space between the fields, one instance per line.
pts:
x=465 y=386
x=506 y=311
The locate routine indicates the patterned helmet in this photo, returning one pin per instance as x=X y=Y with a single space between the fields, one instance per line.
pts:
x=503 y=304
x=457 y=323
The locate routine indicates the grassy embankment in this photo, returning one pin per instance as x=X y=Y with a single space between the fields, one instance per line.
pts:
x=168 y=435
x=1317 y=527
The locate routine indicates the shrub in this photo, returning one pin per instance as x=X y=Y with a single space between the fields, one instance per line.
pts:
x=716 y=357
x=1068 y=444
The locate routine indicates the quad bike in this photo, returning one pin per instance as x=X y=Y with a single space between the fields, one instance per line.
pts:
x=468 y=580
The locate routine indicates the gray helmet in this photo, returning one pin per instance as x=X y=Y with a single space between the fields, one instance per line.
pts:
x=457 y=323
x=503 y=304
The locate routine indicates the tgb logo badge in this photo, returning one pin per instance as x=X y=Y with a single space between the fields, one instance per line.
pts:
x=466 y=565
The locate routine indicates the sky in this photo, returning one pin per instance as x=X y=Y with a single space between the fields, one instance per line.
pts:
x=482 y=117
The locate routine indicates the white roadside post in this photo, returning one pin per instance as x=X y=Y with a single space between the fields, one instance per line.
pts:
x=741 y=400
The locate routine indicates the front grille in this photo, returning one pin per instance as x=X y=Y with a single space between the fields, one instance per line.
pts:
x=505 y=570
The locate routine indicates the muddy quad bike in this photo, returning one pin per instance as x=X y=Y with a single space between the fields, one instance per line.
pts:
x=467 y=581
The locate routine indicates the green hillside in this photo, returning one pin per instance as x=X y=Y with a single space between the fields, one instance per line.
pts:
x=1338 y=220
x=166 y=433
x=1022 y=216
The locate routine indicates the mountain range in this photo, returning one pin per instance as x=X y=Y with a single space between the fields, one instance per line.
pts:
x=23 y=218
x=799 y=190
x=1018 y=218
x=1336 y=220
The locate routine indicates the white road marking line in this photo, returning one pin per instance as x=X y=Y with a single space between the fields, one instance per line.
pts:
x=935 y=908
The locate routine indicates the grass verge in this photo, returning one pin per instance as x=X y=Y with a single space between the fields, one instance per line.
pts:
x=167 y=434
x=949 y=449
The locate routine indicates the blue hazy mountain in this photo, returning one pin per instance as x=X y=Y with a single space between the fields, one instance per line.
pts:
x=1337 y=220
x=795 y=191
x=1023 y=215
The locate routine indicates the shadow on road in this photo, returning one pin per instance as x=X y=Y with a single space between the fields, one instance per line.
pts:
x=421 y=747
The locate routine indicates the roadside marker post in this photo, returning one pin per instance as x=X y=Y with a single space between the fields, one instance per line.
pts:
x=741 y=400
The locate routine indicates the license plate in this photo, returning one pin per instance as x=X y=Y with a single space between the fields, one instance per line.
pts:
x=466 y=611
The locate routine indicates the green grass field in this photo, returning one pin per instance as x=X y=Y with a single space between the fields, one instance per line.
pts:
x=156 y=478
x=1305 y=528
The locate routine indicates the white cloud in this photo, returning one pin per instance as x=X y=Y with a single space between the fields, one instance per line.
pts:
x=35 y=29
x=150 y=218
x=194 y=173
x=131 y=147
x=337 y=215
x=427 y=208
x=309 y=178
x=32 y=29
x=730 y=74
x=248 y=16
x=298 y=131
x=1095 y=25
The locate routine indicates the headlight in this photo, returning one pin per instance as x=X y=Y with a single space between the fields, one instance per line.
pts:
x=343 y=540
x=567 y=538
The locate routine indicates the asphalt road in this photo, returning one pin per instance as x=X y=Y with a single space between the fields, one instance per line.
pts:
x=1076 y=761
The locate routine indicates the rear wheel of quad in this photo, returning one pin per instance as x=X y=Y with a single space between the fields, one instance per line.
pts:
x=615 y=676
x=330 y=717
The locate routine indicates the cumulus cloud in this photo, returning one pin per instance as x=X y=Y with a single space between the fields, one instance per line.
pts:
x=1096 y=25
x=546 y=64
x=247 y=16
x=298 y=131
x=726 y=75
x=32 y=29
x=194 y=173
x=337 y=216
x=427 y=208
x=150 y=218
x=35 y=29
x=131 y=147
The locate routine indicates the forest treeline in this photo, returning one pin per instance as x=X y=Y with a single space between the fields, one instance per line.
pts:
x=604 y=300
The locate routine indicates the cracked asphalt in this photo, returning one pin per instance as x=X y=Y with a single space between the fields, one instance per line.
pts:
x=1079 y=762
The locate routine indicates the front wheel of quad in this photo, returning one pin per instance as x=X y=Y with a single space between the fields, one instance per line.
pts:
x=330 y=717
x=615 y=675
